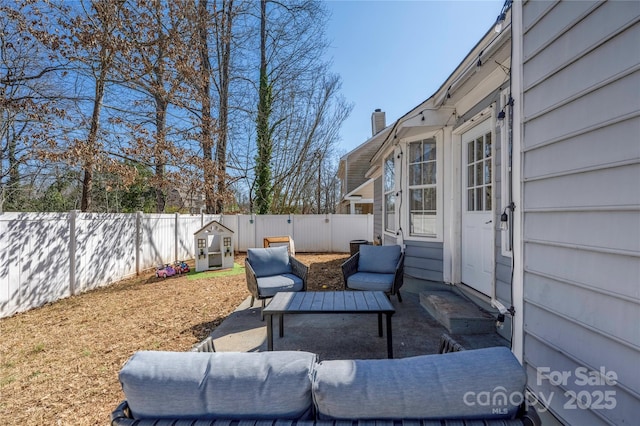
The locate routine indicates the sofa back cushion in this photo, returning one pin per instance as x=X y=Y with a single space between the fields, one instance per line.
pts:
x=219 y=385
x=269 y=261
x=378 y=259
x=454 y=385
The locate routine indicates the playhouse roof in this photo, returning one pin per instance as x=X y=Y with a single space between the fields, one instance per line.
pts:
x=214 y=227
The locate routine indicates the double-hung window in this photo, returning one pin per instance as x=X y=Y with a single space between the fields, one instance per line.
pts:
x=423 y=187
x=389 y=178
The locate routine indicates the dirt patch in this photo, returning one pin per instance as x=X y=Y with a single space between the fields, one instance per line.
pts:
x=59 y=363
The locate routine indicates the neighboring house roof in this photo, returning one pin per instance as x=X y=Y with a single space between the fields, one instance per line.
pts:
x=354 y=165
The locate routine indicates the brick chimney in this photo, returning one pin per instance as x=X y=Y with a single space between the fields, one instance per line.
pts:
x=378 y=121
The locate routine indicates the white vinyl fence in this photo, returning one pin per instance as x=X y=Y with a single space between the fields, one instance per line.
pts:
x=48 y=256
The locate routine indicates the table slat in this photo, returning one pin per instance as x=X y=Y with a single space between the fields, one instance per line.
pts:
x=382 y=300
x=359 y=301
x=318 y=299
x=339 y=303
x=307 y=301
x=370 y=300
x=328 y=303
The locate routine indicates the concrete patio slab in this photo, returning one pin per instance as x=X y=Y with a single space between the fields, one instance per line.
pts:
x=334 y=336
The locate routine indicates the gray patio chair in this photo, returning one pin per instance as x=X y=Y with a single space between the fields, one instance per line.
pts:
x=375 y=268
x=272 y=270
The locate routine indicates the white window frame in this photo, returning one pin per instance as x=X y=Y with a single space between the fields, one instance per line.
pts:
x=439 y=186
x=386 y=191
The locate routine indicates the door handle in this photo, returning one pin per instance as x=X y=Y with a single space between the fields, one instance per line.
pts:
x=486 y=223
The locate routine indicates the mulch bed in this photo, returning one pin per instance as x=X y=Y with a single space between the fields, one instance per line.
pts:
x=59 y=363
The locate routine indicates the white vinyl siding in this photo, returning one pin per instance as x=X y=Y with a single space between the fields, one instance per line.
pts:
x=581 y=203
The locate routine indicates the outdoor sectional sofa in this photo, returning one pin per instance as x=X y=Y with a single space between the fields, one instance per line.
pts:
x=483 y=386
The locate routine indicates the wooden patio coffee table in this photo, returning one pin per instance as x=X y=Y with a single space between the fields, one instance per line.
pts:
x=330 y=302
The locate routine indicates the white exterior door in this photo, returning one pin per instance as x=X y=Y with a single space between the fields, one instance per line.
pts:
x=477 y=208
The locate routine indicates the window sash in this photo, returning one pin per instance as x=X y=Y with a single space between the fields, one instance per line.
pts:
x=389 y=194
x=423 y=191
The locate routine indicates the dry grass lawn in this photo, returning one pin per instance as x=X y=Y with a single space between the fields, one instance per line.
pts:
x=59 y=363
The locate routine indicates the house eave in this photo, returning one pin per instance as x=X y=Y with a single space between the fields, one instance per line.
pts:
x=492 y=51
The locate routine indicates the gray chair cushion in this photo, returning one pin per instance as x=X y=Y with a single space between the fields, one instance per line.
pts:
x=453 y=385
x=269 y=286
x=269 y=261
x=370 y=281
x=219 y=385
x=378 y=259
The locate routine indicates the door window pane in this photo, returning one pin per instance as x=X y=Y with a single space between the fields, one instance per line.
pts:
x=471 y=200
x=479 y=173
x=479 y=150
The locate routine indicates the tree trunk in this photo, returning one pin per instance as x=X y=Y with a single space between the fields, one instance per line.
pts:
x=161 y=104
x=92 y=139
x=205 y=109
x=224 y=60
x=160 y=161
x=263 y=162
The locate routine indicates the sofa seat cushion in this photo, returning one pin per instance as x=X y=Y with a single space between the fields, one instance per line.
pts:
x=444 y=386
x=219 y=385
x=269 y=286
x=379 y=259
x=370 y=281
x=269 y=261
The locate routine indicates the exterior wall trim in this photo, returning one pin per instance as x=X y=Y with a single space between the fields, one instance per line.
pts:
x=517 y=284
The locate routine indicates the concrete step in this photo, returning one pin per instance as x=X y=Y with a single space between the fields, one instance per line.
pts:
x=457 y=314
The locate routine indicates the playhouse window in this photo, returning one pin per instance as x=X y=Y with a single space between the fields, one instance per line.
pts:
x=226 y=241
x=202 y=243
x=423 y=187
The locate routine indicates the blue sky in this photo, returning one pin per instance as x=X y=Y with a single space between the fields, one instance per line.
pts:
x=393 y=55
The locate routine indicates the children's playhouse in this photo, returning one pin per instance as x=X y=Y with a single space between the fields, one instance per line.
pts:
x=214 y=247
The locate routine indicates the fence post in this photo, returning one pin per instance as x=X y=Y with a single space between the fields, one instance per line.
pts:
x=176 y=234
x=138 y=240
x=73 y=214
x=331 y=226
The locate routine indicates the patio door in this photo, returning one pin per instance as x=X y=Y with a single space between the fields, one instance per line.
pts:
x=477 y=210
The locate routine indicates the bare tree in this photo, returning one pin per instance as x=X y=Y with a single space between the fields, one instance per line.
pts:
x=209 y=76
x=30 y=102
x=92 y=43
x=223 y=30
x=232 y=96
x=299 y=109
x=305 y=146
x=147 y=67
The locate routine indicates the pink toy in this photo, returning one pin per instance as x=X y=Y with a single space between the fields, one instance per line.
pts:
x=165 y=271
